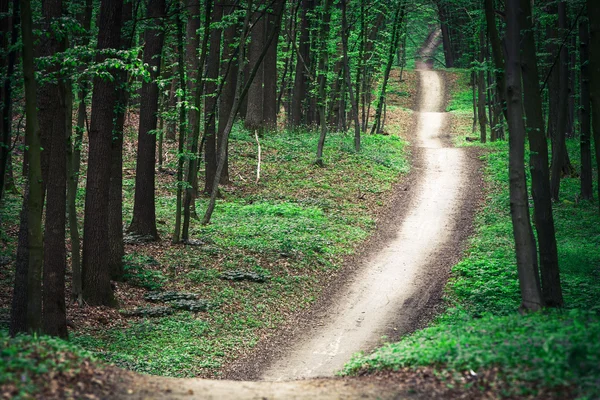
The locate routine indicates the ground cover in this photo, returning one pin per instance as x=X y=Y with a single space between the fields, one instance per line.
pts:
x=482 y=337
x=292 y=229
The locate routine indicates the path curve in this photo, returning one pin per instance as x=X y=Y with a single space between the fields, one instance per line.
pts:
x=390 y=290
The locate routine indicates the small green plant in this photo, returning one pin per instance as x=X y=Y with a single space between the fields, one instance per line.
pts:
x=139 y=271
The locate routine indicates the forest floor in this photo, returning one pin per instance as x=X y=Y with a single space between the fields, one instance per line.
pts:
x=393 y=289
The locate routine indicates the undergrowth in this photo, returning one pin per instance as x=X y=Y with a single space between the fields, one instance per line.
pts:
x=294 y=226
x=27 y=361
x=481 y=329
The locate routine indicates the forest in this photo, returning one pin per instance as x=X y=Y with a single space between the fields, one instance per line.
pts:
x=299 y=199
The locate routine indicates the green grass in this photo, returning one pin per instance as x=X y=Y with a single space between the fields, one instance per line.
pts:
x=481 y=330
x=27 y=362
x=461 y=93
x=294 y=226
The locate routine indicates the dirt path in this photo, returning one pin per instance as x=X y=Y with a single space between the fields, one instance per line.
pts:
x=390 y=294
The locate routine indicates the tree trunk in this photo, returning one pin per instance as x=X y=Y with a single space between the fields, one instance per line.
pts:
x=448 y=55
x=144 y=207
x=302 y=64
x=212 y=75
x=519 y=204
x=115 y=196
x=34 y=178
x=538 y=161
x=584 y=116
x=270 y=74
x=53 y=103
x=254 y=112
x=95 y=273
x=394 y=43
x=10 y=26
x=481 y=90
x=236 y=106
x=348 y=78
x=559 y=151
x=182 y=128
x=73 y=167
x=229 y=73
x=322 y=79
x=594 y=18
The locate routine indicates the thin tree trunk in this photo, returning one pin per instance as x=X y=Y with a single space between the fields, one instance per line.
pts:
x=270 y=74
x=348 y=78
x=481 y=90
x=394 y=43
x=9 y=25
x=497 y=52
x=191 y=190
x=538 y=164
x=519 y=204
x=302 y=64
x=584 y=116
x=182 y=129
x=236 y=105
x=322 y=79
x=448 y=54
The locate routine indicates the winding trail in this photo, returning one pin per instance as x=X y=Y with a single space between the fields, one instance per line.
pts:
x=389 y=292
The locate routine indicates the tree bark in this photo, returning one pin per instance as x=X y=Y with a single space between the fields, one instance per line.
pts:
x=52 y=105
x=270 y=73
x=73 y=167
x=254 y=112
x=301 y=80
x=348 y=78
x=34 y=177
x=144 y=207
x=481 y=90
x=322 y=79
x=448 y=55
x=229 y=76
x=95 y=273
x=212 y=75
x=519 y=204
x=191 y=191
x=538 y=161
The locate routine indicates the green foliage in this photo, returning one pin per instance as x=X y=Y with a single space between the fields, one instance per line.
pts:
x=24 y=360
x=481 y=329
x=461 y=93
x=139 y=272
x=172 y=346
x=292 y=227
x=548 y=349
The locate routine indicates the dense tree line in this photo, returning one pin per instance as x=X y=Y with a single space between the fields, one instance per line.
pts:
x=189 y=69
